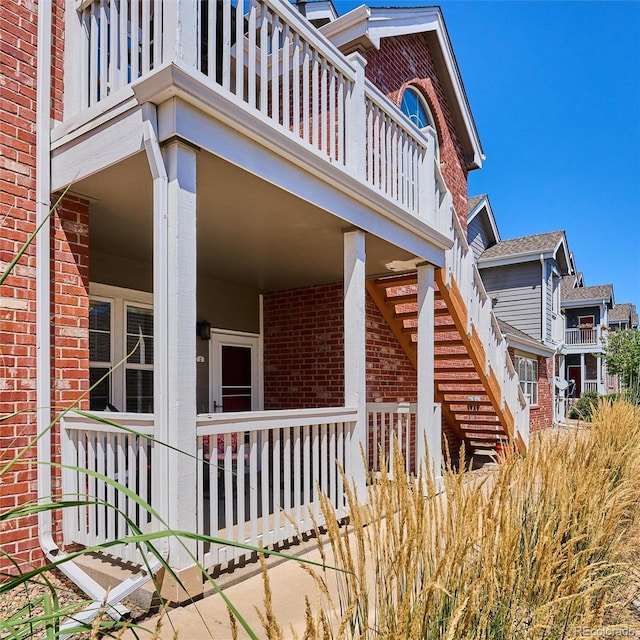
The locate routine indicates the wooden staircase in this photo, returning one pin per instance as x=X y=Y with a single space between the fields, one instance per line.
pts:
x=467 y=389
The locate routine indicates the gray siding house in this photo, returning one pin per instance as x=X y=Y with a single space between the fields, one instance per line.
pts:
x=587 y=322
x=522 y=277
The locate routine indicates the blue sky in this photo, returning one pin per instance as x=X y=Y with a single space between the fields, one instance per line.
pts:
x=554 y=88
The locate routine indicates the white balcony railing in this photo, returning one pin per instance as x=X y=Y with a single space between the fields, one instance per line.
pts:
x=269 y=60
x=461 y=269
x=581 y=337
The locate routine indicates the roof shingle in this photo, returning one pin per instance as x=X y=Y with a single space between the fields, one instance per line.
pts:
x=597 y=292
x=526 y=244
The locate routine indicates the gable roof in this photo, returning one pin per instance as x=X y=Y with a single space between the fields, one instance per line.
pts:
x=527 y=249
x=365 y=27
x=625 y=311
x=596 y=293
x=480 y=206
x=567 y=283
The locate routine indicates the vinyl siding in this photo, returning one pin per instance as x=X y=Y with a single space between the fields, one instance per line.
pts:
x=477 y=236
x=549 y=264
x=517 y=289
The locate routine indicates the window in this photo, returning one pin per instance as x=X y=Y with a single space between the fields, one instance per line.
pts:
x=121 y=329
x=527 y=369
x=414 y=106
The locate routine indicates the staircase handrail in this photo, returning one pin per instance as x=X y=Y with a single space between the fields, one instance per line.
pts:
x=462 y=268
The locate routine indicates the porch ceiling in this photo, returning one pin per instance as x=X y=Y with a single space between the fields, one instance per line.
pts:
x=249 y=232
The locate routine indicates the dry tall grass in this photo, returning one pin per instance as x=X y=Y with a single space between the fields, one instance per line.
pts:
x=532 y=550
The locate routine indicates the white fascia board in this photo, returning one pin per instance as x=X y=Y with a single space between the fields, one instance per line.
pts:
x=562 y=243
x=350 y=27
x=529 y=346
x=375 y=23
x=515 y=258
x=589 y=302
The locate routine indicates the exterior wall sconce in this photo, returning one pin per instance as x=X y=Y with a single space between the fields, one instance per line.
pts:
x=203 y=329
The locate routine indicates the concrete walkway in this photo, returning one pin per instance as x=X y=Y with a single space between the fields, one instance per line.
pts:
x=209 y=618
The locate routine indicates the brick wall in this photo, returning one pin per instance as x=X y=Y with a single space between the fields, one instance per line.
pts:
x=18 y=52
x=541 y=414
x=406 y=60
x=303 y=348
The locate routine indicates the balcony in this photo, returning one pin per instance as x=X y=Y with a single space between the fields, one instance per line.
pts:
x=259 y=62
x=583 y=337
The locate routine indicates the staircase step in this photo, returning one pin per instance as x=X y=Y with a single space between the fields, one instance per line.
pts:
x=458 y=355
x=398 y=281
x=401 y=299
x=448 y=342
x=406 y=315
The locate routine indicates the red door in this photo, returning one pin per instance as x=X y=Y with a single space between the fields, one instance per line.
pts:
x=575 y=374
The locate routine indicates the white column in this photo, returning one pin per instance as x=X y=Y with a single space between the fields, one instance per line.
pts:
x=180 y=31
x=174 y=264
x=356 y=120
x=355 y=349
x=425 y=426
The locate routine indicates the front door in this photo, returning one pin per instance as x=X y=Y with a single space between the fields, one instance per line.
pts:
x=234 y=372
x=575 y=374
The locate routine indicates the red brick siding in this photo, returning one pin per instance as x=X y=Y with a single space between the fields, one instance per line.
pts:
x=406 y=60
x=18 y=56
x=303 y=348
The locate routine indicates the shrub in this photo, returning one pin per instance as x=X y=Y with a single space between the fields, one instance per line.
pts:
x=584 y=406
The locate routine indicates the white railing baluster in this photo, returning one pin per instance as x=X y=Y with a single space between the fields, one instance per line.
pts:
x=275 y=69
x=251 y=67
x=297 y=88
x=264 y=60
x=286 y=73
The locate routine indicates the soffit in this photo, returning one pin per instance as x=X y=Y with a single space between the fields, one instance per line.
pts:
x=249 y=232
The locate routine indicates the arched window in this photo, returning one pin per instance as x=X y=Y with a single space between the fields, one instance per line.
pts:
x=414 y=106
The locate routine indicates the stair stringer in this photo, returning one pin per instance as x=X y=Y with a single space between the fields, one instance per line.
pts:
x=410 y=349
x=472 y=342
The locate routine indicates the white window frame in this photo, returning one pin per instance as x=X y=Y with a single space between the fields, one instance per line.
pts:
x=425 y=105
x=529 y=386
x=119 y=298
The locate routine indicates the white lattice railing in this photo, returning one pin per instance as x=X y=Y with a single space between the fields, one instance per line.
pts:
x=264 y=473
x=108 y=513
x=461 y=269
x=273 y=63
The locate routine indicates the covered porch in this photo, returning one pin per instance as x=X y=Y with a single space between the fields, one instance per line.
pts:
x=240 y=312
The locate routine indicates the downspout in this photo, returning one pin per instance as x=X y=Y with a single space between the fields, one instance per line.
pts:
x=110 y=599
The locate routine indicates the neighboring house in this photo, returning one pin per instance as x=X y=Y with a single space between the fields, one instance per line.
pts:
x=586 y=311
x=622 y=317
x=522 y=278
x=261 y=262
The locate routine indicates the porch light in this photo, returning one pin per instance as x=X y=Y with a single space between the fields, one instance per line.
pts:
x=203 y=329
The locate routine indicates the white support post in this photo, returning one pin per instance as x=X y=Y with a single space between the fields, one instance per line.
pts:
x=180 y=31
x=175 y=348
x=433 y=432
x=356 y=120
x=355 y=350
x=427 y=204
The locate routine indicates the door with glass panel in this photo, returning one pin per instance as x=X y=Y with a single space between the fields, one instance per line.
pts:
x=234 y=372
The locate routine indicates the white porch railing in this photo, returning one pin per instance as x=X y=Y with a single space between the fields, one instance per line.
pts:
x=591 y=385
x=109 y=514
x=461 y=269
x=390 y=421
x=582 y=337
x=265 y=471
x=273 y=63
